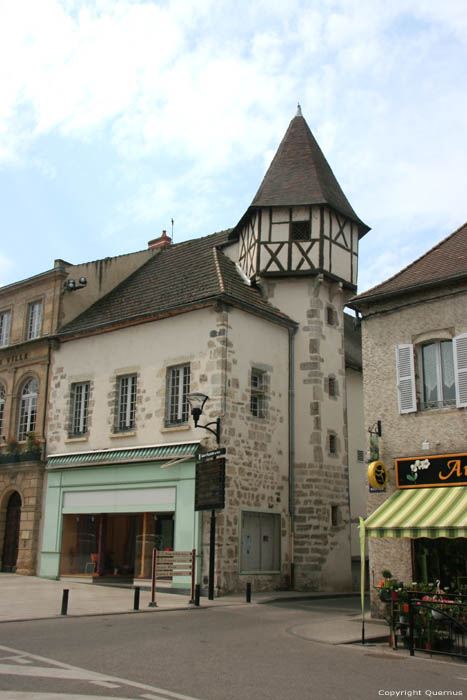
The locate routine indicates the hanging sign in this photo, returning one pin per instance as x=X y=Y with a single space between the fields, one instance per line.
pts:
x=210 y=484
x=378 y=476
x=437 y=470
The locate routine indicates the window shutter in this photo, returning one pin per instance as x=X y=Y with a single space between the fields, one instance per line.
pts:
x=406 y=392
x=460 y=368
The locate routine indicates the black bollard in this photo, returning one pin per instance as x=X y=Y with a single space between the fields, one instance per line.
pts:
x=136 y=599
x=197 y=593
x=65 y=601
x=248 y=592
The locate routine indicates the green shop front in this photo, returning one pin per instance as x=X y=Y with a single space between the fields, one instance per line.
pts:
x=106 y=511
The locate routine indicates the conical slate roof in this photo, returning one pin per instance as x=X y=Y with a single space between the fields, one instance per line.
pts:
x=300 y=175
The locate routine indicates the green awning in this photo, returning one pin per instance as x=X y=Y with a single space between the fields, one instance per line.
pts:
x=124 y=455
x=430 y=512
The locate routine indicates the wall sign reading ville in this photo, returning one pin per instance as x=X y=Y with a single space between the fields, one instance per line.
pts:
x=437 y=470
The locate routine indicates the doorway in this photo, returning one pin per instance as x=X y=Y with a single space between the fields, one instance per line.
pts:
x=11 y=539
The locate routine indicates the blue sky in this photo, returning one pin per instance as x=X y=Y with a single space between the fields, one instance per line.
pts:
x=118 y=115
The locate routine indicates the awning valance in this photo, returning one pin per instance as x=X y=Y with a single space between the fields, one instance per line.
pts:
x=124 y=455
x=430 y=512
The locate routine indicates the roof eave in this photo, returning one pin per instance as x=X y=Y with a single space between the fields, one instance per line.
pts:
x=360 y=300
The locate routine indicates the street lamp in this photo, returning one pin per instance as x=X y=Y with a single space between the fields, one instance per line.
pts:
x=197 y=401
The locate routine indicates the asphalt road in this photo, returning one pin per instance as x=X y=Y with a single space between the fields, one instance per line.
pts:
x=237 y=653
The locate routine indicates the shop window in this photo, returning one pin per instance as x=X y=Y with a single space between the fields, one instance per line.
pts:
x=260 y=538
x=258 y=380
x=27 y=409
x=5 y=320
x=178 y=388
x=34 y=320
x=441 y=371
x=79 y=408
x=126 y=403
x=2 y=406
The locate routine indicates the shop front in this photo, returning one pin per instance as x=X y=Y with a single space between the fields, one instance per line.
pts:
x=430 y=508
x=106 y=511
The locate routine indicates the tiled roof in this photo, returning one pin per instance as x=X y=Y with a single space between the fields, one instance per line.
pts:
x=300 y=175
x=446 y=261
x=178 y=277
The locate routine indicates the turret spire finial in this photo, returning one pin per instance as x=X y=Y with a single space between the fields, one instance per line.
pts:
x=299 y=110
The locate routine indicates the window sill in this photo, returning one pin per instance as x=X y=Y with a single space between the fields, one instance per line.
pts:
x=83 y=438
x=174 y=428
x=122 y=434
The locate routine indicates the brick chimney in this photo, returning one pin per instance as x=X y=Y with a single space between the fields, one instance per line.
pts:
x=161 y=241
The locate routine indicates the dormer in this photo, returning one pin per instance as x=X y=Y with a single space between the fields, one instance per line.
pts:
x=300 y=221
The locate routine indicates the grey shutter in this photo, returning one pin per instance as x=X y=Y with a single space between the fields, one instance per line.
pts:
x=406 y=392
x=460 y=368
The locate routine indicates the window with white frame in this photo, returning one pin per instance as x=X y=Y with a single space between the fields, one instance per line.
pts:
x=258 y=393
x=79 y=408
x=432 y=375
x=260 y=542
x=27 y=409
x=2 y=406
x=178 y=388
x=126 y=403
x=34 y=320
x=5 y=320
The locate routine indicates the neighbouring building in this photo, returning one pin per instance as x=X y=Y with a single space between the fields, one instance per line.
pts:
x=30 y=313
x=414 y=332
x=253 y=317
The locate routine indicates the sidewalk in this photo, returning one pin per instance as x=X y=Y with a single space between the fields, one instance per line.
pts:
x=30 y=598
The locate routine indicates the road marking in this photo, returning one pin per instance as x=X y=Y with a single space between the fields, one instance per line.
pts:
x=26 y=695
x=41 y=672
x=105 y=684
x=18 y=659
x=80 y=674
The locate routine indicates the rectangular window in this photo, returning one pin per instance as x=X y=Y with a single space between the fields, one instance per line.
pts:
x=126 y=402
x=438 y=378
x=5 y=319
x=300 y=230
x=178 y=388
x=34 y=320
x=260 y=550
x=258 y=393
x=79 y=408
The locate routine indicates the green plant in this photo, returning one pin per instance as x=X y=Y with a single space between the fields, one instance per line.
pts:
x=12 y=446
x=32 y=443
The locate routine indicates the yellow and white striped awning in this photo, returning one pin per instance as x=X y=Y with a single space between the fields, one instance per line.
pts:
x=430 y=512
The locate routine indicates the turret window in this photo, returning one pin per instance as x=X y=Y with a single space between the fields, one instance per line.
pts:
x=300 y=230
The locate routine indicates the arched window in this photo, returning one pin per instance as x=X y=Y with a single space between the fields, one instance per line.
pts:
x=2 y=406
x=27 y=409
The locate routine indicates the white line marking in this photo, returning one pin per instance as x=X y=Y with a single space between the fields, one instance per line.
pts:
x=153 y=697
x=25 y=695
x=105 y=684
x=41 y=672
x=94 y=676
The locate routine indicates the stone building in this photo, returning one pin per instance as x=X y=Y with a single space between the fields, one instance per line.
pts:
x=252 y=317
x=30 y=313
x=414 y=334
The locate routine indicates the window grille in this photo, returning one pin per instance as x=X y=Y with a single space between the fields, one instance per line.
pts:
x=178 y=388
x=27 y=409
x=34 y=319
x=79 y=408
x=300 y=230
x=126 y=406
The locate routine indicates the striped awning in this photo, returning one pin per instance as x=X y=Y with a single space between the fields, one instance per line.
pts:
x=150 y=453
x=430 y=512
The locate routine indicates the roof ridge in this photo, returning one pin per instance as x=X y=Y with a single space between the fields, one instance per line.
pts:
x=218 y=269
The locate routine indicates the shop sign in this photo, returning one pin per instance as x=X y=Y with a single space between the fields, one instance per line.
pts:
x=210 y=484
x=378 y=476
x=436 y=470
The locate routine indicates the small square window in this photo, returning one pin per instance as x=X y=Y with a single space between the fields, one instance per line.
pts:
x=258 y=393
x=332 y=386
x=300 y=230
x=331 y=319
x=360 y=455
x=332 y=444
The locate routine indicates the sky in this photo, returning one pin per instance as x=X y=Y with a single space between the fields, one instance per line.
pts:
x=119 y=116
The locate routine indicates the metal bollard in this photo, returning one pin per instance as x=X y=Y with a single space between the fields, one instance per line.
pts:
x=248 y=592
x=197 y=593
x=65 y=601
x=136 y=599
